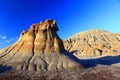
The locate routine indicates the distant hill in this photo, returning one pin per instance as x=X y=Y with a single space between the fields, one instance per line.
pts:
x=93 y=43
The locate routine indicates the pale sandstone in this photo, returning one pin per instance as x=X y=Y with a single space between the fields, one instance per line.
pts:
x=38 y=49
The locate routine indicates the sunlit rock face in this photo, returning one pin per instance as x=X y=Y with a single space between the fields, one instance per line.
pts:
x=93 y=43
x=38 y=49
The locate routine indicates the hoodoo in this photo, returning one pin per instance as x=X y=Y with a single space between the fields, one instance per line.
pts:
x=38 y=49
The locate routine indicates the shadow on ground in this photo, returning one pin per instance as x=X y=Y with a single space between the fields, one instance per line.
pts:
x=4 y=68
x=87 y=63
x=107 y=60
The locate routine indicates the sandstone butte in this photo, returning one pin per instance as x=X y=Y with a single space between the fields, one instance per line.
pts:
x=38 y=49
x=93 y=43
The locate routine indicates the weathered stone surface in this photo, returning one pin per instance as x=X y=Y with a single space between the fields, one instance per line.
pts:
x=38 y=49
x=93 y=43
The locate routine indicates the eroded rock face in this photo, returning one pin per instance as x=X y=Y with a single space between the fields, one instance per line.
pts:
x=38 y=49
x=93 y=43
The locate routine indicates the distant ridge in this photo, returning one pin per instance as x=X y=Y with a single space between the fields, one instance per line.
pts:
x=93 y=43
x=92 y=31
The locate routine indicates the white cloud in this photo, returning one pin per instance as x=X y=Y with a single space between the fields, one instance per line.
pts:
x=3 y=37
x=7 y=41
x=10 y=40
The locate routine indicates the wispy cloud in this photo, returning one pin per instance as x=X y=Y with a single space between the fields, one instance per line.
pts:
x=9 y=41
x=6 y=41
x=4 y=37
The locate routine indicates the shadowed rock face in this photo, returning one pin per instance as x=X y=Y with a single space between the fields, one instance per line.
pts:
x=93 y=43
x=38 y=49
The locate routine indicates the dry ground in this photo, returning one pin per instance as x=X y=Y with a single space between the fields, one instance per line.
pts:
x=97 y=73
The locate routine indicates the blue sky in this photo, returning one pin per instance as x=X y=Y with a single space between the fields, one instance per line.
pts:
x=72 y=16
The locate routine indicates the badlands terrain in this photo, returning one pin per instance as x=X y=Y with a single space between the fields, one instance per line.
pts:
x=40 y=54
x=93 y=43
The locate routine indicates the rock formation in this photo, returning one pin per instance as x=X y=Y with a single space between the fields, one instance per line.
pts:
x=93 y=43
x=38 y=49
